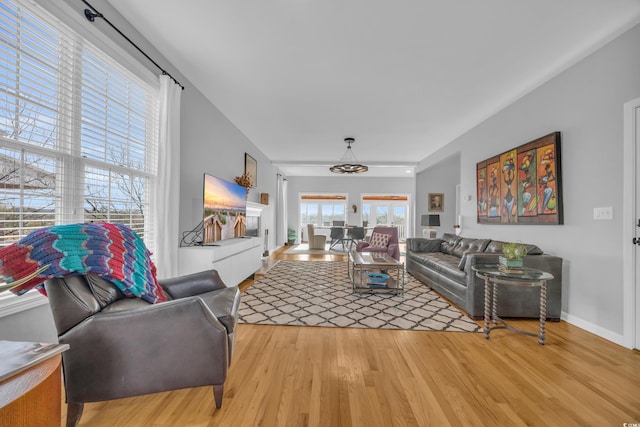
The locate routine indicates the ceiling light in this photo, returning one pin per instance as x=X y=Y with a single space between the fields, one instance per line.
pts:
x=349 y=163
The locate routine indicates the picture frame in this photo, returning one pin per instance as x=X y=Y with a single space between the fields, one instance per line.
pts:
x=522 y=185
x=251 y=167
x=436 y=202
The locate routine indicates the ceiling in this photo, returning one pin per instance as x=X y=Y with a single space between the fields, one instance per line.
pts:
x=404 y=77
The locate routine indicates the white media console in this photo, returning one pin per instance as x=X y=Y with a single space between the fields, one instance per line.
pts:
x=235 y=259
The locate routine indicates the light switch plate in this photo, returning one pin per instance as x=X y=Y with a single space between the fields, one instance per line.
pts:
x=605 y=213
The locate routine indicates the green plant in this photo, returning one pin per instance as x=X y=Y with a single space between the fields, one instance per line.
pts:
x=514 y=250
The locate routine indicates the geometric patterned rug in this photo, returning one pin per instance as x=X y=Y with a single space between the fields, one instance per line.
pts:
x=318 y=293
x=303 y=248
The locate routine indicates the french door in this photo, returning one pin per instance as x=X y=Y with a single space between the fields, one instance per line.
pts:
x=390 y=210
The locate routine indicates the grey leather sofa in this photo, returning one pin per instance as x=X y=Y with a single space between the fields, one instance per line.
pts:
x=122 y=347
x=445 y=265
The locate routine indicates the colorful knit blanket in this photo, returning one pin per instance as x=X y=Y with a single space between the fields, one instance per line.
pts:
x=112 y=251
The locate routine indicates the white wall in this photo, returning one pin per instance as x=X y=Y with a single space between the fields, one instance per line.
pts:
x=584 y=103
x=439 y=178
x=212 y=144
x=354 y=186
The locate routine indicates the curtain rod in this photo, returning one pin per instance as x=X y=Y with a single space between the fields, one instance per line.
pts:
x=92 y=14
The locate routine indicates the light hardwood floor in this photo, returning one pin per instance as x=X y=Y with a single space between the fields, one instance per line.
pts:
x=306 y=376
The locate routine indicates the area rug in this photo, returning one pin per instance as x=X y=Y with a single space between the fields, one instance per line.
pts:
x=318 y=293
x=303 y=248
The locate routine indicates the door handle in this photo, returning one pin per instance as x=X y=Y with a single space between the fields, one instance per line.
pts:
x=636 y=241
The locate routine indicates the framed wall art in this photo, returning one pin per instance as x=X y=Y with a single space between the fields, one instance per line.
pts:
x=251 y=167
x=522 y=185
x=436 y=202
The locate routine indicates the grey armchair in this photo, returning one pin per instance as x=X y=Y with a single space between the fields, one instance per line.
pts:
x=122 y=347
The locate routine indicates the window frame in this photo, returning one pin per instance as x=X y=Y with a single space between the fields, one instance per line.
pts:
x=69 y=205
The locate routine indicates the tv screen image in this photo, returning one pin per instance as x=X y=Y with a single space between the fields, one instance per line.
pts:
x=225 y=210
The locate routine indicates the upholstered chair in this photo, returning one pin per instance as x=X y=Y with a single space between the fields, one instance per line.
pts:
x=122 y=347
x=316 y=241
x=383 y=239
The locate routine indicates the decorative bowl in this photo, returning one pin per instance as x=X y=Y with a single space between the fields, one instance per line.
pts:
x=378 y=277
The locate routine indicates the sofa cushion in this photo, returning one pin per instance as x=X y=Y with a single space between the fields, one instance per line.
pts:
x=533 y=249
x=446 y=265
x=495 y=246
x=449 y=243
x=379 y=240
x=467 y=244
x=418 y=244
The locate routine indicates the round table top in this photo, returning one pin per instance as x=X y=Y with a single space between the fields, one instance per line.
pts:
x=525 y=274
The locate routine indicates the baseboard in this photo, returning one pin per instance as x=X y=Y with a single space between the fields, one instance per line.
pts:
x=594 y=329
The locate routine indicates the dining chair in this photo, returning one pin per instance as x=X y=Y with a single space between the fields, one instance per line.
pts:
x=336 y=236
x=356 y=235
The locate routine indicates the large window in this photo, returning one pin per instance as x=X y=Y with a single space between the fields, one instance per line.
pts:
x=78 y=132
x=322 y=209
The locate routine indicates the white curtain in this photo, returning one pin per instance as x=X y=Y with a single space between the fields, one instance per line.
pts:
x=281 y=210
x=166 y=199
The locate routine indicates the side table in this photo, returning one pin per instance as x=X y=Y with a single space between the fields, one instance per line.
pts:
x=493 y=276
x=30 y=384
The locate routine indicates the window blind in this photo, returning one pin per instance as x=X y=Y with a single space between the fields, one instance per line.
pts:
x=78 y=131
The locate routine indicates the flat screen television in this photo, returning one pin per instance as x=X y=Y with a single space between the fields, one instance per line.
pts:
x=225 y=210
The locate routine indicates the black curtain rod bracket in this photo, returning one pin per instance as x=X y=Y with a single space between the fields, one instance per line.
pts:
x=93 y=13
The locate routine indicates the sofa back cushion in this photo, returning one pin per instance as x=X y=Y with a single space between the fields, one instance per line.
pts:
x=495 y=246
x=449 y=242
x=469 y=245
x=74 y=298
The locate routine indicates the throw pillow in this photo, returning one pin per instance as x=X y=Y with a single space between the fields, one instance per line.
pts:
x=379 y=240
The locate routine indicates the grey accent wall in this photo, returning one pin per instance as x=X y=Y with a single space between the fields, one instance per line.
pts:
x=441 y=177
x=354 y=186
x=584 y=103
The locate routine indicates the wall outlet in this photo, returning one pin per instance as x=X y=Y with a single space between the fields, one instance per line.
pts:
x=605 y=213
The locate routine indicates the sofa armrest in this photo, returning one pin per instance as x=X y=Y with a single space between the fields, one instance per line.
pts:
x=393 y=250
x=421 y=244
x=361 y=245
x=475 y=285
x=192 y=284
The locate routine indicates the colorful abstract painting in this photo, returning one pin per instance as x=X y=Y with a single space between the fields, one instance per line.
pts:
x=522 y=185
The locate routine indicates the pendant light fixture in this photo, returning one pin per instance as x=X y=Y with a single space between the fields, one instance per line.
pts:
x=349 y=163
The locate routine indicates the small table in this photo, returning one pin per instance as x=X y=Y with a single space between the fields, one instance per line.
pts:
x=30 y=389
x=362 y=263
x=493 y=276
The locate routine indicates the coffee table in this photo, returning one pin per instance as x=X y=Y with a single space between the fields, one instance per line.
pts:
x=494 y=276
x=363 y=263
